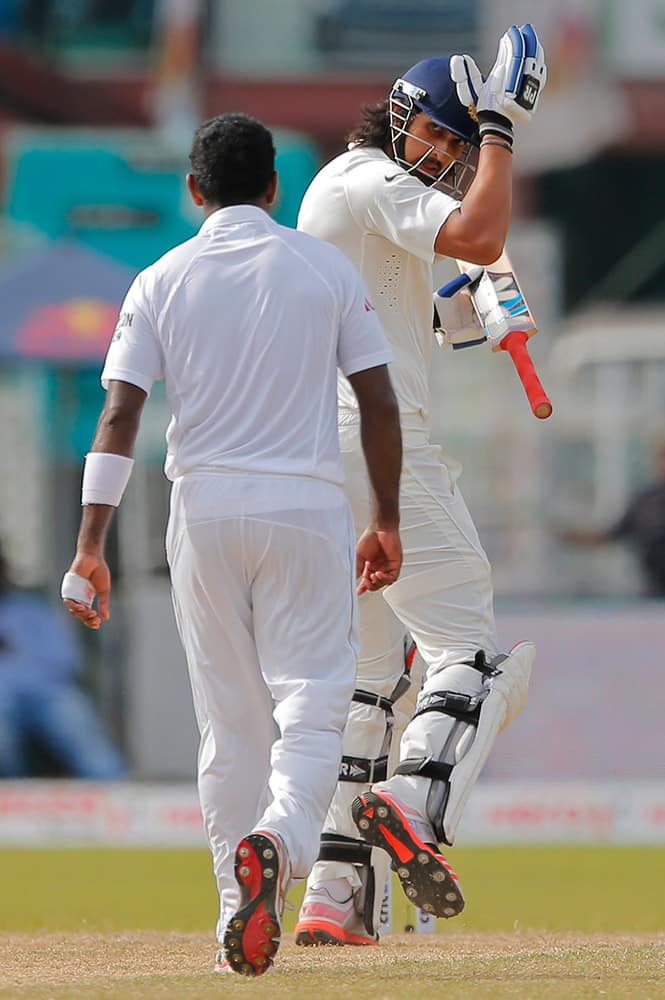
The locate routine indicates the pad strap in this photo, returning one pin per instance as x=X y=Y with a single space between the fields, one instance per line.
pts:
x=464 y=707
x=337 y=848
x=363 y=770
x=355 y=852
x=481 y=664
x=435 y=769
x=370 y=698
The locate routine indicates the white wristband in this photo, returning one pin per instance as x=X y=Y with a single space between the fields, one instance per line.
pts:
x=105 y=477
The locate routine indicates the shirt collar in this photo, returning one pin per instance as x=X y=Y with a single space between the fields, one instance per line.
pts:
x=231 y=215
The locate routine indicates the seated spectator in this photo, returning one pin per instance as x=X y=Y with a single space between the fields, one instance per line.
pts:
x=641 y=525
x=45 y=717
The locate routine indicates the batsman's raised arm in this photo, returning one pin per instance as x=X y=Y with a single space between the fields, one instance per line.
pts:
x=478 y=231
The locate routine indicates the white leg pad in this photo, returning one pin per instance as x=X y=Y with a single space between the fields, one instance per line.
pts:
x=507 y=698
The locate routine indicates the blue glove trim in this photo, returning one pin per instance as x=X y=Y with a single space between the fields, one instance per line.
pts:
x=469 y=81
x=517 y=42
x=469 y=343
x=531 y=40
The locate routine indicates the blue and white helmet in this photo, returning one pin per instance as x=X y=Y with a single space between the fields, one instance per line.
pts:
x=429 y=87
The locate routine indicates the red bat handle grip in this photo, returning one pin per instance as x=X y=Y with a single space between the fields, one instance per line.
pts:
x=515 y=344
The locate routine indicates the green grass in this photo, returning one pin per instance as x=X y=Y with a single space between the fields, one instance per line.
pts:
x=541 y=923
x=95 y=889
x=558 y=889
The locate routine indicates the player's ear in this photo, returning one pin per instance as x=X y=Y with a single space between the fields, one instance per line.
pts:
x=271 y=191
x=193 y=189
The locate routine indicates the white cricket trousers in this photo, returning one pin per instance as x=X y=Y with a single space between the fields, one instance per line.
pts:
x=263 y=586
x=443 y=598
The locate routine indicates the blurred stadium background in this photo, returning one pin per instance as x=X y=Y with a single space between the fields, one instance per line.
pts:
x=98 y=100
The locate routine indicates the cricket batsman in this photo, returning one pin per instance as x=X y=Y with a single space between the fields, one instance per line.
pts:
x=428 y=173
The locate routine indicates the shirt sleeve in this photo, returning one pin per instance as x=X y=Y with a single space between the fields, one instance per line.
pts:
x=392 y=203
x=362 y=343
x=135 y=353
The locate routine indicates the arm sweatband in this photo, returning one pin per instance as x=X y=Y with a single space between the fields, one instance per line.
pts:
x=105 y=477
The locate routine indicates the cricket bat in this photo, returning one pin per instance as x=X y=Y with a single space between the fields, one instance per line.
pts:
x=502 y=310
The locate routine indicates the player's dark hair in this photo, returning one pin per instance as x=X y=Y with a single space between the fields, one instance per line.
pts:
x=233 y=159
x=374 y=128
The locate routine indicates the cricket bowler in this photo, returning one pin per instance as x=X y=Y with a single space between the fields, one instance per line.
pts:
x=247 y=323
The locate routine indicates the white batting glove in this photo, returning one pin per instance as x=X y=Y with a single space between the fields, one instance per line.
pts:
x=467 y=78
x=514 y=84
x=455 y=322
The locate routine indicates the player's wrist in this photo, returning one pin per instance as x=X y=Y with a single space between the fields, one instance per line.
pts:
x=492 y=124
x=385 y=520
x=87 y=552
x=496 y=142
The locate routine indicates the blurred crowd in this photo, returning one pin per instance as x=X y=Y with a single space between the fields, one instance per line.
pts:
x=49 y=725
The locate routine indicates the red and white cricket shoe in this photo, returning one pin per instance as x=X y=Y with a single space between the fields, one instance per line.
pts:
x=253 y=933
x=328 y=916
x=426 y=876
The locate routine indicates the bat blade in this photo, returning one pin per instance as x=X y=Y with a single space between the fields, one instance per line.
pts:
x=503 y=311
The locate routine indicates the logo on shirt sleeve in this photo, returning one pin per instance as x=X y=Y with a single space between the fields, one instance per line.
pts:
x=124 y=320
x=368 y=306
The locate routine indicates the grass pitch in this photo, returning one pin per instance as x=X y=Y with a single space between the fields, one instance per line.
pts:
x=540 y=924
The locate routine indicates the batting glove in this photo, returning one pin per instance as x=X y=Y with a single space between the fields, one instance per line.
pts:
x=514 y=84
x=455 y=322
x=467 y=78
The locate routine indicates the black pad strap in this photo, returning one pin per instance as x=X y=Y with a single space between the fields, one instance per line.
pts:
x=336 y=848
x=435 y=769
x=354 y=852
x=370 y=698
x=363 y=770
x=463 y=707
x=480 y=663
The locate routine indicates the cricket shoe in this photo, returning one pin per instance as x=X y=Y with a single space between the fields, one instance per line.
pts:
x=328 y=915
x=426 y=876
x=221 y=965
x=253 y=933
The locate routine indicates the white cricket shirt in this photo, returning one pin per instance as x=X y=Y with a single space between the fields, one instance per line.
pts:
x=247 y=322
x=386 y=222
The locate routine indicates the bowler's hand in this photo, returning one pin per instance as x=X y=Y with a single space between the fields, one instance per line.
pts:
x=94 y=569
x=378 y=559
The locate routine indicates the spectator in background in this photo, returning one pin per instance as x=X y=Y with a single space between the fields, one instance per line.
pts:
x=642 y=526
x=44 y=714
